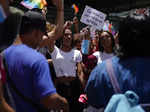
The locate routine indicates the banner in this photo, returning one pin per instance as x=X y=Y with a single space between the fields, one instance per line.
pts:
x=93 y=17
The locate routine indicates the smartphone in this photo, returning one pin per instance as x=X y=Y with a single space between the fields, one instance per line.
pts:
x=2 y=14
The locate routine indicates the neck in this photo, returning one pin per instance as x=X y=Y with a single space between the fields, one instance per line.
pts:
x=108 y=50
x=66 y=48
x=17 y=41
x=23 y=40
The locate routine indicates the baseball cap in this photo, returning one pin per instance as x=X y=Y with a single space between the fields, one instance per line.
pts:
x=35 y=19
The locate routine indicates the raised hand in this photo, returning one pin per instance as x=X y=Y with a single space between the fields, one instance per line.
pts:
x=68 y=24
x=85 y=33
x=59 y=4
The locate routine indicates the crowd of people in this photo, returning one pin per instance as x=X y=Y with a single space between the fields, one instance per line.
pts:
x=46 y=67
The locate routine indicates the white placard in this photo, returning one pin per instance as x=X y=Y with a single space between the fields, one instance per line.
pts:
x=93 y=17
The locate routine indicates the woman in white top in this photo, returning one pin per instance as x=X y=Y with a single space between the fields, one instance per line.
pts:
x=65 y=58
x=106 y=46
x=106 y=50
x=67 y=65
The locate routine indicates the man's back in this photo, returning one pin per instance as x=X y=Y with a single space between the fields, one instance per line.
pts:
x=132 y=74
x=29 y=72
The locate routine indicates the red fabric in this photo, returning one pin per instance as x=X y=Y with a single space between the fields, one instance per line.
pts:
x=2 y=71
x=89 y=62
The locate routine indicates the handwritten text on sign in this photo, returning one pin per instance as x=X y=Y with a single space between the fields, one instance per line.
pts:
x=93 y=17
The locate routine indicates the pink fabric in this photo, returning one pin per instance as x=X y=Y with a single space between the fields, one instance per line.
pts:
x=83 y=98
x=2 y=71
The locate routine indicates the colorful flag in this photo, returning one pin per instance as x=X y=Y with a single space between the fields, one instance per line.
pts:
x=30 y=4
x=76 y=9
x=109 y=27
x=106 y=26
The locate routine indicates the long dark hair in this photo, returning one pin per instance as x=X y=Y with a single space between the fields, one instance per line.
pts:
x=100 y=46
x=133 y=36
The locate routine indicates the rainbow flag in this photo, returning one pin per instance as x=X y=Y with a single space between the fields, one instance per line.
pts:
x=30 y=4
x=109 y=27
x=76 y=9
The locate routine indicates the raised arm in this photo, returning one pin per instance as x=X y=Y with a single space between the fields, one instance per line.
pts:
x=76 y=24
x=60 y=17
x=58 y=31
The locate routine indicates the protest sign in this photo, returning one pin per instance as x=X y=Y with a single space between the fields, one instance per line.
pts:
x=93 y=17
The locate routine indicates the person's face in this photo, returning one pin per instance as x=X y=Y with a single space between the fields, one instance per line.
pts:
x=106 y=40
x=67 y=38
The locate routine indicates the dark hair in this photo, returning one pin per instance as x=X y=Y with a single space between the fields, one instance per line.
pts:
x=9 y=30
x=32 y=20
x=133 y=36
x=37 y=10
x=100 y=46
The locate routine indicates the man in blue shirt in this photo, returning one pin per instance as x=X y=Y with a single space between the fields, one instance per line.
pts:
x=29 y=70
x=130 y=66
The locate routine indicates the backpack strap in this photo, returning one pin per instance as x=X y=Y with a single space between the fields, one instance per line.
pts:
x=112 y=76
x=115 y=84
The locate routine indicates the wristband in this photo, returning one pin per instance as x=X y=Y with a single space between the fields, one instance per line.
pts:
x=85 y=46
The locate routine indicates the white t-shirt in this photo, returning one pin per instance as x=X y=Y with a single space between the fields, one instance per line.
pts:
x=101 y=56
x=65 y=62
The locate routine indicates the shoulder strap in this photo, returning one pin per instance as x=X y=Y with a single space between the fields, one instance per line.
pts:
x=112 y=76
x=115 y=84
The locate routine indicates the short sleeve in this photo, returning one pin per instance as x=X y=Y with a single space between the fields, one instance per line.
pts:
x=42 y=82
x=55 y=51
x=79 y=56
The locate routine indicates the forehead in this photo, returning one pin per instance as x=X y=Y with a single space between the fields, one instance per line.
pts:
x=104 y=33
